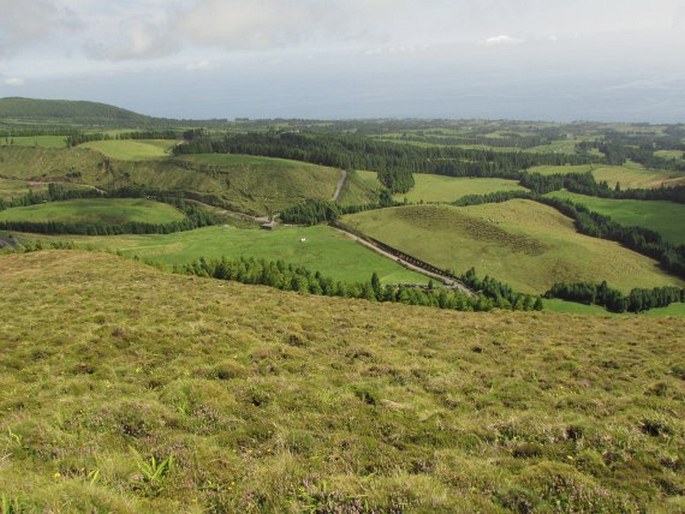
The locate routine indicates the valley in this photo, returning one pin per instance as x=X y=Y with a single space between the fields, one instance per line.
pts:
x=354 y=316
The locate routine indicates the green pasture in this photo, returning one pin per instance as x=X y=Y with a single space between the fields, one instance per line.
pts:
x=324 y=249
x=564 y=307
x=667 y=218
x=437 y=188
x=671 y=154
x=112 y=211
x=528 y=245
x=132 y=149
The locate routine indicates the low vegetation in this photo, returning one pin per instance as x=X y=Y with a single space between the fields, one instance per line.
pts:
x=177 y=394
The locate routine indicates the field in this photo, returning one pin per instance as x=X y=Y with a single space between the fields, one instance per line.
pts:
x=132 y=149
x=42 y=141
x=96 y=210
x=667 y=218
x=180 y=394
x=629 y=176
x=670 y=154
x=564 y=307
x=526 y=244
x=437 y=188
x=10 y=188
x=325 y=250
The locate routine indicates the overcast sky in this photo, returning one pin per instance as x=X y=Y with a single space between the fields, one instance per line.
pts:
x=527 y=59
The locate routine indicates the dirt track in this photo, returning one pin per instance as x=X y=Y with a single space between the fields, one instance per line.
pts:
x=450 y=283
x=341 y=184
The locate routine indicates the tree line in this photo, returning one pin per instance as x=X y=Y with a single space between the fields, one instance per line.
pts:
x=313 y=211
x=394 y=162
x=502 y=294
x=638 y=300
x=586 y=184
x=289 y=277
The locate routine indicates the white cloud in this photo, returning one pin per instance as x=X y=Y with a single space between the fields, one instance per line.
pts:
x=203 y=65
x=14 y=81
x=140 y=40
x=255 y=24
x=502 y=40
x=23 y=23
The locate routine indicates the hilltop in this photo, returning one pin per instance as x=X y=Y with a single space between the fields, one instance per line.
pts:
x=69 y=112
x=178 y=393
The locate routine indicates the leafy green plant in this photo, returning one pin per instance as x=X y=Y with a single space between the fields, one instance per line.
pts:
x=154 y=470
x=9 y=506
x=14 y=437
x=93 y=476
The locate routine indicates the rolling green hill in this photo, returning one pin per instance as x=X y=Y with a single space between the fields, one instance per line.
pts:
x=68 y=112
x=256 y=185
x=526 y=244
x=125 y=389
x=111 y=211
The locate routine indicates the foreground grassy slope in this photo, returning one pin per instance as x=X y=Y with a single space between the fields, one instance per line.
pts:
x=529 y=245
x=96 y=210
x=277 y=402
x=324 y=249
x=667 y=218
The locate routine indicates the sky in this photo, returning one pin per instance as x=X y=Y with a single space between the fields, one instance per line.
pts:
x=557 y=60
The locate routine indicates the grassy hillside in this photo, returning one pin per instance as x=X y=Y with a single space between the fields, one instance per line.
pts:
x=325 y=250
x=629 y=176
x=13 y=188
x=667 y=218
x=275 y=402
x=529 y=245
x=257 y=185
x=68 y=112
x=112 y=211
x=132 y=149
x=275 y=184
